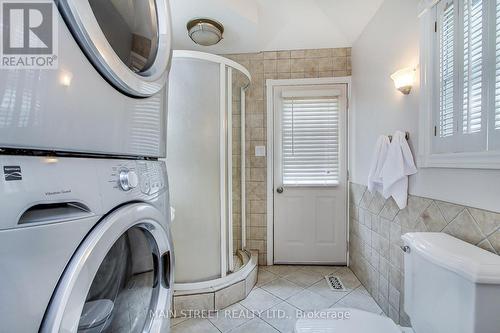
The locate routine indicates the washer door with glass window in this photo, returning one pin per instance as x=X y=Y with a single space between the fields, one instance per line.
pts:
x=120 y=278
x=128 y=41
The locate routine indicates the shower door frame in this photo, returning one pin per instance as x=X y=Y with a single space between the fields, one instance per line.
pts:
x=226 y=156
x=224 y=171
x=226 y=67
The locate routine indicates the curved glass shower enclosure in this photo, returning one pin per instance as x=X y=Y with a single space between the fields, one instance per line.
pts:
x=205 y=146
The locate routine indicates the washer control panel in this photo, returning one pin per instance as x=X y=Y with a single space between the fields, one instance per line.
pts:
x=28 y=182
x=135 y=180
x=154 y=177
x=147 y=176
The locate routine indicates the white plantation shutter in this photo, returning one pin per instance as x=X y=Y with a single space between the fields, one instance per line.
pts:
x=497 y=72
x=461 y=110
x=310 y=140
x=460 y=67
x=473 y=66
x=446 y=70
x=494 y=49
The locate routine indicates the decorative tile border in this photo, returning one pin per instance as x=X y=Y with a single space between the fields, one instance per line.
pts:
x=376 y=226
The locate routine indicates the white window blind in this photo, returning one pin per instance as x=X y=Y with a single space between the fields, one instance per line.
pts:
x=473 y=66
x=310 y=140
x=446 y=70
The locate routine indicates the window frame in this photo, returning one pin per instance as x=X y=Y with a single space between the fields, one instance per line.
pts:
x=455 y=151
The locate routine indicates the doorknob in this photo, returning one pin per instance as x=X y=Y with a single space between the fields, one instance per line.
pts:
x=279 y=189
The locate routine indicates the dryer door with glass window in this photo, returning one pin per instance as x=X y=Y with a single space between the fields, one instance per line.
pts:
x=129 y=42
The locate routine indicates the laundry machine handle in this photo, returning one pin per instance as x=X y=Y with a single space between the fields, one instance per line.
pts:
x=46 y=213
x=167 y=268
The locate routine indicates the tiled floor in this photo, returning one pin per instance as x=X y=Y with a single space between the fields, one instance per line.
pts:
x=282 y=293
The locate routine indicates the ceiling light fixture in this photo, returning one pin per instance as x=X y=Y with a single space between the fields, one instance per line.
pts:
x=205 y=31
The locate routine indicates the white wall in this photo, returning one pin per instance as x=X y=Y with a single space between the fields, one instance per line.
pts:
x=388 y=43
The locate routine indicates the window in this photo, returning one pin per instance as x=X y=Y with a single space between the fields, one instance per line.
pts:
x=446 y=71
x=460 y=62
x=497 y=66
x=473 y=66
x=310 y=140
x=461 y=106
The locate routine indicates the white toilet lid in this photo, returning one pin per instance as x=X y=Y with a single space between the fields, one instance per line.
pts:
x=346 y=320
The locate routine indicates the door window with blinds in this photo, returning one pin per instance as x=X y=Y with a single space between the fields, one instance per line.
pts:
x=466 y=75
x=310 y=137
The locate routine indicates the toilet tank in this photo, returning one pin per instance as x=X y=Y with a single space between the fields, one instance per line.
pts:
x=450 y=285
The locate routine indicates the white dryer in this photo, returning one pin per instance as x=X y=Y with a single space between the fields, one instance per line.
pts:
x=85 y=245
x=108 y=95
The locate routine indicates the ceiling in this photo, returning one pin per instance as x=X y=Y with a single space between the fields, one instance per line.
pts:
x=269 y=25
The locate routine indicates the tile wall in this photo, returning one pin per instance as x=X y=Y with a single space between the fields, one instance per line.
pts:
x=239 y=80
x=311 y=63
x=376 y=223
x=376 y=227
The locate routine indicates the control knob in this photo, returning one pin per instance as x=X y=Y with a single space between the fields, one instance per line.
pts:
x=128 y=180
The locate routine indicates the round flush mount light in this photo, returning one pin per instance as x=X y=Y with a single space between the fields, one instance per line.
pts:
x=204 y=31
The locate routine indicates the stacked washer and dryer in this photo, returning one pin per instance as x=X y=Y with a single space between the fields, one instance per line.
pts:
x=85 y=240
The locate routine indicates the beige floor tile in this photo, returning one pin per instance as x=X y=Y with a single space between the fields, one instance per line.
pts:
x=264 y=276
x=349 y=280
x=321 y=287
x=304 y=278
x=195 y=326
x=306 y=300
x=282 y=317
x=177 y=321
x=255 y=326
x=363 y=290
x=282 y=288
x=275 y=284
x=231 y=317
x=359 y=299
x=260 y=300
x=323 y=270
x=282 y=270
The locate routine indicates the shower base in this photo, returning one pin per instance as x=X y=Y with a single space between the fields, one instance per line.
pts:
x=192 y=298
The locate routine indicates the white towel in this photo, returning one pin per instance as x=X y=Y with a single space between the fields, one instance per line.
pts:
x=398 y=166
x=378 y=159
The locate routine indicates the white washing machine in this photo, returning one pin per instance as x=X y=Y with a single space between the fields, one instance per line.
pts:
x=85 y=245
x=108 y=95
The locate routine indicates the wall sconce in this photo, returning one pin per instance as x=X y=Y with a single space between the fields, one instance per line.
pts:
x=404 y=79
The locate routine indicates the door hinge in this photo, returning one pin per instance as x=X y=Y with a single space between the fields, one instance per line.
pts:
x=435 y=26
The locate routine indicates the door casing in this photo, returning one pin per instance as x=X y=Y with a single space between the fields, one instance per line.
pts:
x=270 y=85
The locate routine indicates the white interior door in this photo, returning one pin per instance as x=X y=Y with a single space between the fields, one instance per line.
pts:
x=310 y=174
